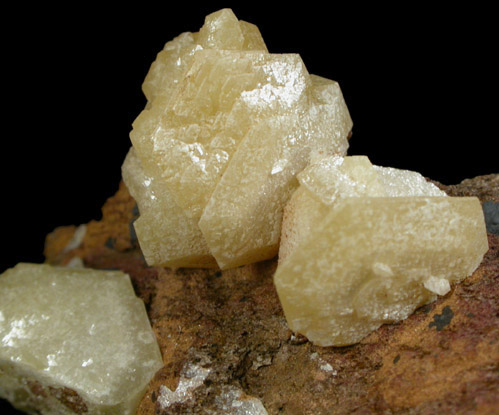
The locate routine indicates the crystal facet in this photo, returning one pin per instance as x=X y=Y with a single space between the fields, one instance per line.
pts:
x=73 y=341
x=226 y=129
x=365 y=245
x=163 y=244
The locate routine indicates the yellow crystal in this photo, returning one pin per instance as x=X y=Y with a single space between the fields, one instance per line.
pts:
x=221 y=30
x=331 y=178
x=369 y=246
x=242 y=221
x=163 y=244
x=226 y=129
x=73 y=341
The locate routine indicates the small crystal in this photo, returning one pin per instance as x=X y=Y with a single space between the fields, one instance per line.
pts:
x=73 y=341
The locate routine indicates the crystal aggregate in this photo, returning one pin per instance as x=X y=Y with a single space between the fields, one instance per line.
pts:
x=239 y=155
x=227 y=127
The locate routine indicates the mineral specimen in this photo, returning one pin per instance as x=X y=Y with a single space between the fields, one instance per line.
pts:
x=365 y=245
x=226 y=129
x=73 y=341
x=226 y=329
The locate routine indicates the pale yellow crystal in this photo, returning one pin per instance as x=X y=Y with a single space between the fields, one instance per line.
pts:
x=222 y=95
x=170 y=239
x=242 y=221
x=370 y=260
x=302 y=215
x=221 y=30
x=364 y=245
x=332 y=178
x=73 y=341
x=227 y=128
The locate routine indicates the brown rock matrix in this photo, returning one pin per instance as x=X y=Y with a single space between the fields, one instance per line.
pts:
x=226 y=344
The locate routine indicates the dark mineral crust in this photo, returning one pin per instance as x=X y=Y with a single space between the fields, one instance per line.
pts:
x=444 y=359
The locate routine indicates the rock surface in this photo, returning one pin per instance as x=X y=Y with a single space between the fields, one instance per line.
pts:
x=226 y=345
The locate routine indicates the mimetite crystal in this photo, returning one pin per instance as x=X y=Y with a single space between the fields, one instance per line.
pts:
x=73 y=341
x=226 y=129
x=365 y=245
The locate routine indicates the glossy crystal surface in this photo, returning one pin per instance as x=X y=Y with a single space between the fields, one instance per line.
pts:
x=226 y=129
x=369 y=247
x=73 y=341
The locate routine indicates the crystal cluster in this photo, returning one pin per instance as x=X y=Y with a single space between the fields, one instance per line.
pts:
x=73 y=341
x=216 y=151
x=364 y=245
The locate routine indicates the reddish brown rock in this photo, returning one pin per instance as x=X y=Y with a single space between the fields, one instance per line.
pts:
x=222 y=331
x=486 y=188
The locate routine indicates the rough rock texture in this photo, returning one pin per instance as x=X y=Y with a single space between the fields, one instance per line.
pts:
x=221 y=332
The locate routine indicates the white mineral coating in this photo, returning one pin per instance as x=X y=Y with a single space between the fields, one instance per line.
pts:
x=192 y=377
x=73 y=341
x=77 y=238
x=226 y=129
x=233 y=401
x=367 y=248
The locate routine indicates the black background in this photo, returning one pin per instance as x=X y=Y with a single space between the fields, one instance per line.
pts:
x=419 y=83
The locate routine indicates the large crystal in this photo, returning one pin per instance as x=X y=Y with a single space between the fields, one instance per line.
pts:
x=226 y=129
x=73 y=341
x=365 y=245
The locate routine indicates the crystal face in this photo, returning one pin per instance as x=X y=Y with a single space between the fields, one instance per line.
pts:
x=73 y=341
x=164 y=240
x=366 y=245
x=331 y=178
x=222 y=30
x=226 y=129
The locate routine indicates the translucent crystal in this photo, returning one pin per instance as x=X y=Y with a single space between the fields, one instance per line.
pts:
x=353 y=261
x=242 y=221
x=221 y=30
x=172 y=240
x=332 y=178
x=73 y=341
x=227 y=128
x=223 y=94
